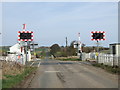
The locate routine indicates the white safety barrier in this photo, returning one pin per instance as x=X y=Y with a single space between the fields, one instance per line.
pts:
x=13 y=58
x=106 y=59
x=2 y=58
x=86 y=56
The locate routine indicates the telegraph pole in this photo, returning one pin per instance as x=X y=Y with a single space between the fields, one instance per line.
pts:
x=66 y=42
x=66 y=46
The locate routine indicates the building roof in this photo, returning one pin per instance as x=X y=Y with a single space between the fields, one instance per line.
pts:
x=15 y=48
x=115 y=44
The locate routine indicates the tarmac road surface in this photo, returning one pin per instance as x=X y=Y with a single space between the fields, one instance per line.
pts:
x=70 y=74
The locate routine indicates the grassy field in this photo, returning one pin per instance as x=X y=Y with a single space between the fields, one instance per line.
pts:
x=10 y=81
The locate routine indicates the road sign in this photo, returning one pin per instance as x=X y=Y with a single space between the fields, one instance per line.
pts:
x=25 y=36
x=98 y=35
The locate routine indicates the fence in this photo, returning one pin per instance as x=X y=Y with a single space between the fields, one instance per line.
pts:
x=13 y=58
x=2 y=58
x=86 y=56
x=106 y=59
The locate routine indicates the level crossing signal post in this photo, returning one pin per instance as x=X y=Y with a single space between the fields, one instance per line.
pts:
x=97 y=36
x=25 y=37
x=78 y=45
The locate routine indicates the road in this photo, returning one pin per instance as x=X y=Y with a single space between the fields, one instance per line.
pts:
x=70 y=74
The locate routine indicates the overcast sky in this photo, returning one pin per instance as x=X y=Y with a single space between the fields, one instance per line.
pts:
x=51 y=22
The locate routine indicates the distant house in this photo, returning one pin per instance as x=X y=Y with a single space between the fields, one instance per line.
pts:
x=17 y=53
x=15 y=49
x=115 y=49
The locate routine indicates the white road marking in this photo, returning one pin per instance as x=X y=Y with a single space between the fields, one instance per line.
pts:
x=51 y=71
x=31 y=64
x=79 y=63
x=39 y=64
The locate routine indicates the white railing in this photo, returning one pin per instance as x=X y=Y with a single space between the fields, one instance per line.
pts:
x=106 y=59
x=13 y=58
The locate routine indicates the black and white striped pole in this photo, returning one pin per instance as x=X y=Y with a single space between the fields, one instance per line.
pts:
x=79 y=47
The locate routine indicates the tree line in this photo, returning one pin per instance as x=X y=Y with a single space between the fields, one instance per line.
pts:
x=61 y=51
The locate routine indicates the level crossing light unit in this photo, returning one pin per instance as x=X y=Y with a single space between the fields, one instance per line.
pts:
x=25 y=36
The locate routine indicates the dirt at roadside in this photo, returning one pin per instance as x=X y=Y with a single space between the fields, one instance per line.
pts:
x=27 y=81
x=72 y=57
x=11 y=68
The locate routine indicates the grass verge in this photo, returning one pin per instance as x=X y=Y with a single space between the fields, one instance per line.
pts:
x=114 y=70
x=12 y=80
x=70 y=59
